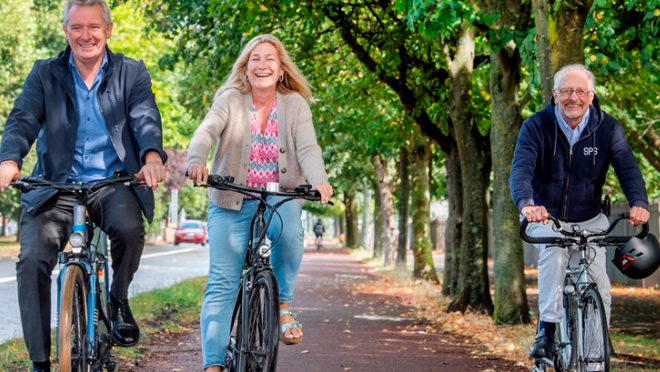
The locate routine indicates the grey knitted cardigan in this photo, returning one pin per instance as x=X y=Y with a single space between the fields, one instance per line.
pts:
x=228 y=124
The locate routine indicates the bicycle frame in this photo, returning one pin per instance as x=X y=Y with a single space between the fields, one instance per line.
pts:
x=257 y=260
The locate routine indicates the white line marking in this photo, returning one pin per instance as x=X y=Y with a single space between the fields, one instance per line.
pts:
x=169 y=253
x=152 y=255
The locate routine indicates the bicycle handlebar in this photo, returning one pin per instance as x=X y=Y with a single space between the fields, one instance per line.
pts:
x=27 y=184
x=578 y=233
x=227 y=183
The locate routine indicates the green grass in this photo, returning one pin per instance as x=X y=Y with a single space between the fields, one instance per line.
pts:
x=163 y=310
x=8 y=245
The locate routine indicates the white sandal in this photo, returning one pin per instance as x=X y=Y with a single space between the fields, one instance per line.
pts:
x=295 y=324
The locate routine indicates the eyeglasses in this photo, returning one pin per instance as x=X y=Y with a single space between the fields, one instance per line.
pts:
x=569 y=92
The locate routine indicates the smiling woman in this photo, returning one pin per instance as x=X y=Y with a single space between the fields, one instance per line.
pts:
x=260 y=114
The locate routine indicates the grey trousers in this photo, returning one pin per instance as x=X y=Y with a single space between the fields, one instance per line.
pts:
x=552 y=269
x=116 y=210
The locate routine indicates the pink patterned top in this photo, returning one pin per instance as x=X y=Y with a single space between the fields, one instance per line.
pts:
x=263 y=165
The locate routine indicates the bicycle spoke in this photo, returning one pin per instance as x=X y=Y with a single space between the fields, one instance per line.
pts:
x=595 y=335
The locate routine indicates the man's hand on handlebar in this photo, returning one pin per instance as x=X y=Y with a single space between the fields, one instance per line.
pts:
x=535 y=213
x=199 y=174
x=9 y=172
x=153 y=170
x=638 y=216
x=326 y=192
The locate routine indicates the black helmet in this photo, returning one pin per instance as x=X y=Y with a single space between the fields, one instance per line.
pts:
x=638 y=258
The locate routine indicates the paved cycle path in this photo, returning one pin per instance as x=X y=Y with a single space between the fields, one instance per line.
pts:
x=345 y=330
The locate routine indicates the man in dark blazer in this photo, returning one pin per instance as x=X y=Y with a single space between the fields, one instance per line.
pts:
x=92 y=113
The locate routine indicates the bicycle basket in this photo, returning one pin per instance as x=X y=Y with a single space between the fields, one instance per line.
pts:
x=638 y=258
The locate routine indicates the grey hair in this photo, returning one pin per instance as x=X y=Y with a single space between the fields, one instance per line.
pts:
x=560 y=76
x=71 y=3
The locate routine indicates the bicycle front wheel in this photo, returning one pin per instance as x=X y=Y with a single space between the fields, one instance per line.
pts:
x=232 y=355
x=262 y=324
x=565 y=336
x=595 y=336
x=72 y=322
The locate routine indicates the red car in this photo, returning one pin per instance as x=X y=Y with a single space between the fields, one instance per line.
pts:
x=190 y=231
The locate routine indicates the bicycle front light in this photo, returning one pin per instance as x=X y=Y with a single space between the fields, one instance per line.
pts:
x=76 y=240
x=264 y=250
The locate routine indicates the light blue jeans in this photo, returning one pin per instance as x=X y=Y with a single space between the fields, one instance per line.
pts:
x=228 y=238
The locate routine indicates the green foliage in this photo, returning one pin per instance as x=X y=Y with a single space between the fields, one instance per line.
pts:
x=194 y=201
x=129 y=37
x=17 y=46
x=619 y=34
x=320 y=210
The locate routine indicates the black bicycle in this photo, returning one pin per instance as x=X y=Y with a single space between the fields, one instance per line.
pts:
x=254 y=335
x=582 y=336
x=84 y=329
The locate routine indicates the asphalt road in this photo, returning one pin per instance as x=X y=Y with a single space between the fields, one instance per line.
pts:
x=161 y=266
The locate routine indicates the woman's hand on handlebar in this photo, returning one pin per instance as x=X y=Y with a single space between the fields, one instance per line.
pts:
x=199 y=174
x=638 y=216
x=535 y=213
x=325 y=189
x=8 y=172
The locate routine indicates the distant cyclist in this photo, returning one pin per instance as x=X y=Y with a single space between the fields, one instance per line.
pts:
x=318 y=231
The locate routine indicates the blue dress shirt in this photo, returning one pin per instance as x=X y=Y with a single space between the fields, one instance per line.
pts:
x=94 y=156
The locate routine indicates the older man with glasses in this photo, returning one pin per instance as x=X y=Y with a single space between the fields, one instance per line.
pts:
x=559 y=167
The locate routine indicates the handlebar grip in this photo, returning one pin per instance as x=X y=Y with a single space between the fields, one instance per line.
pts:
x=533 y=240
x=541 y=240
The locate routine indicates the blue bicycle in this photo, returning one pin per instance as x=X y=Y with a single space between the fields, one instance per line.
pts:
x=84 y=329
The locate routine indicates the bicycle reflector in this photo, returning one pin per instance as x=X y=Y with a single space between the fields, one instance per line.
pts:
x=638 y=258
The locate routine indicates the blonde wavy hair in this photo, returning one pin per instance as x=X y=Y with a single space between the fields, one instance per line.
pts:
x=293 y=81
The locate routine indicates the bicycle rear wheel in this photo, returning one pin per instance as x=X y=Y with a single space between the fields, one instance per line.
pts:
x=72 y=322
x=595 y=337
x=262 y=324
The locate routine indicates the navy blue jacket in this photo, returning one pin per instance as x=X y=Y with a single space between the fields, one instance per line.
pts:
x=45 y=111
x=546 y=171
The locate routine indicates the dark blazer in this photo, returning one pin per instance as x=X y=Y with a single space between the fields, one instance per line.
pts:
x=45 y=111
x=567 y=180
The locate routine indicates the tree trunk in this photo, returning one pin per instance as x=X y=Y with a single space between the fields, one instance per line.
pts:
x=366 y=214
x=454 y=220
x=351 y=219
x=424 y=267
x=541 y=9
x=563 y=28
x=404 y=197
x=473 y=288
x=567 y=42
x=387 y=208
x=378 y=227
x=511 y=305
